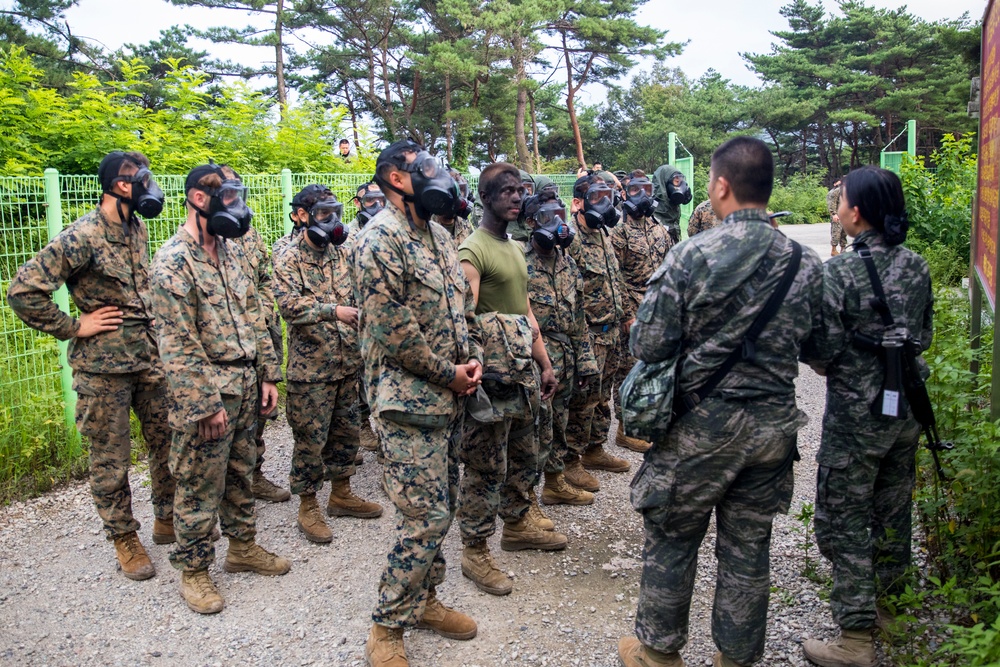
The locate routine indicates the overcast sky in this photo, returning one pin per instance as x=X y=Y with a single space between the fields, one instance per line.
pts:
x=718 y=31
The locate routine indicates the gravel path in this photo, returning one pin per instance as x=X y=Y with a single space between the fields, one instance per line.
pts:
x=63 y=603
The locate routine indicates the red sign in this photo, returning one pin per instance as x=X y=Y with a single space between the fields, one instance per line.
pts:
x=984 y=228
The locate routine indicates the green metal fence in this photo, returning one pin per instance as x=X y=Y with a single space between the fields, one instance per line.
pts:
x=36 y=397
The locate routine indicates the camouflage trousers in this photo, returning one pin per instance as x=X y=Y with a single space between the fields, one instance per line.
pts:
x=733 y=457
x=623 y=363
x=589 y=410
x=214 y=479
x=274 y=329
x=501 y=468
x=102 y=414
x=838 y=237
x=421 y=479
x=553 y=416
x=325 y=432
x=864 y=490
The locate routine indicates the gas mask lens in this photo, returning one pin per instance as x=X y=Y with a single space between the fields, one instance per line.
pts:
x=231 y=192
x=598 y=192
x=325 y=211
x=374 y=198
x=640 y=186
x=550 y=214
x=427 y=165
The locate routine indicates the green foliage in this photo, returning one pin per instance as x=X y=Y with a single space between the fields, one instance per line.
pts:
x=939 y=202
x=803 y=196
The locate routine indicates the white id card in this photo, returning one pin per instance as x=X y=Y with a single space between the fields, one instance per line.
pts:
x=890 y=403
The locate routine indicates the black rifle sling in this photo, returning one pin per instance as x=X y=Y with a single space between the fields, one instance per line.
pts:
x=746 y=351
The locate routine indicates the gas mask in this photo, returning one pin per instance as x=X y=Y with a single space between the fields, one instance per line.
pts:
x=463 y=204
x=147 y=197
x=598 y=207
x=372 y=202
x=325 y=226
x=679 y=194
x=434 y=191
x=228 y=214
x=640 y=202
x=551 y=229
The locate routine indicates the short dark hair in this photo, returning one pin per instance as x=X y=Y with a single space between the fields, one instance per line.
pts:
x=878 y=195
x=583 y=184
x=748 y=165
x=345 y=141
x=489 y=179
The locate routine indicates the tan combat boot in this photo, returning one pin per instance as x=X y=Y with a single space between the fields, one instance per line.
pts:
x=343 y=502
x=580 y=478
x=720 y=659
x=518 y=535
x=311 y=521
x=535 y=514
x=557 y=492
x=887 y=623
x=834 y=252
x=628 y=442
x=595 y=458
x=385 y=647
x=248 y=556
x=479 y=566
x=163 y=532
x=367 y=438
x=265 y=489
x=359 y=459
x=132 y=557
x=854 y=648
x=200 y=592
x=446 y=621
x=633 y=653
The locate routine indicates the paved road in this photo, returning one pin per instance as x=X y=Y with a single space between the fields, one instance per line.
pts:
x=816 y=236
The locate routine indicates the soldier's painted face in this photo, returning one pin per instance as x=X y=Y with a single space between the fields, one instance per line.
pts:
x=505 y=201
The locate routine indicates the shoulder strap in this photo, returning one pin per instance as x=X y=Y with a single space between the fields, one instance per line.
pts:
x=747 y=350
x=878 y=303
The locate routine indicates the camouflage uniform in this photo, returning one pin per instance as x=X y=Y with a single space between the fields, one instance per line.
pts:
x=257 y=264
x=604 y=307
x=838 y=237
x=733 y=452
x=866 y=474
x=323 y=361
x=418 y=323
x=555 y=290
x=702 y=218
x=279 y=246
x=101 y=266
x=460 y=229
x=214 y=343
x=640 y=246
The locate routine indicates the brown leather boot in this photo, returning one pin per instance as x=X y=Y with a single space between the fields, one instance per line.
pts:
x=595 y=458
x=633 y=653
x=630 y=443
x=479 y=566
x=557 y=492
x=446 y=621
x=536 y=516
x=248 y=556
x=200 y=593
x=343 y=502
x=854 y=648
x=834 y=252
x=311 y=521
x=580 y=478
x=720 y=659
x=265 y=489
x=132 y=557
x=385 y=647
x=519 y=535
x=367 y=438
x=163 y=532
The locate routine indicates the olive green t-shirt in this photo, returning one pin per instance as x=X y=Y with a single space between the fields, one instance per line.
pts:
x=503 y=273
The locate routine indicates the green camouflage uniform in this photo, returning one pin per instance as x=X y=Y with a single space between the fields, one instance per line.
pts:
x=112 y=371
x=733 y=452
x=838 y=237
x=257 y=264
x=555 y=290
x=279 y=246
x=459 y=230
x=214 y=343
x=323 y=361
x=866 y=462
x=667 y=214
x=640 y=246
x=500 y=458
x=702 y=218
x=604 y=308
x=418 y=323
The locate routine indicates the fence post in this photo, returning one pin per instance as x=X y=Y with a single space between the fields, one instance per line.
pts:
x=286 y=196
x=911 y=138
x=671 y=147
x=53 y=207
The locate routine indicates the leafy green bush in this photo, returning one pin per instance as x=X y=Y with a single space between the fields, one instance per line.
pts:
x=804 y=196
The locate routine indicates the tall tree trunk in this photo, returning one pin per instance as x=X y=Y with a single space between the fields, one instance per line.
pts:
x=534 y=133
x=571 y=107
x=517 y=61
x=279 y=58
x=354 y=114
x=447 y=115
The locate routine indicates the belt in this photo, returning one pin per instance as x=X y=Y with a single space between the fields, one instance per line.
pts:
x=602 y=328
x=557 y=336
x=242 y=363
